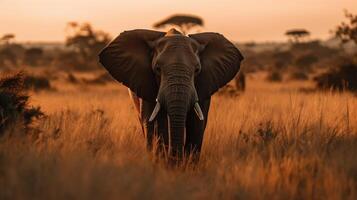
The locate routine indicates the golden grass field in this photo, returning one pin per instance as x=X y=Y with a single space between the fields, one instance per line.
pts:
x=272 y=142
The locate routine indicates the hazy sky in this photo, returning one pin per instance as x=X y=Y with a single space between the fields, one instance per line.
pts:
x=239 y=20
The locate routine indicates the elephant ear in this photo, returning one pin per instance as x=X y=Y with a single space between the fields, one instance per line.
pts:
x=220 y=62
x=128 y=59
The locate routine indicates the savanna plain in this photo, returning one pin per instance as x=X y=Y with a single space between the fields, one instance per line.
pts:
x=273 y=141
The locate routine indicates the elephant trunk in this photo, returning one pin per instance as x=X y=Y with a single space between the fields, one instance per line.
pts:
x=178 y=102
x=177 y=134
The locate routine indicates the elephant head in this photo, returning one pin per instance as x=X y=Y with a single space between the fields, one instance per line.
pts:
x=173 y=70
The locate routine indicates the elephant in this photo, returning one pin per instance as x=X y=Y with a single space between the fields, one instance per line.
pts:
x=171 y=78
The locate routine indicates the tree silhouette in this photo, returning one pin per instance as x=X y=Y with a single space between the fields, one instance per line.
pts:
x=85 y=40
x=7 y=38
x=348 y=31
x=296 y=35
x=9 y=51
x=84 y=43
x=183 y=22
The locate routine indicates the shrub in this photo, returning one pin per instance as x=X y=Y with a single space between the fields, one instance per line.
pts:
x=274 y=76
x=33 y=56
x=69 y=60
x=298 y=75
x=37 y=83
x=14 y=106
x=7 y=57
x=305 y=62
x=340 y=78
x=282 y=59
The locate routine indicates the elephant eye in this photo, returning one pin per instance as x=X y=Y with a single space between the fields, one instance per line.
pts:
x=157 y=69
x=197 y=69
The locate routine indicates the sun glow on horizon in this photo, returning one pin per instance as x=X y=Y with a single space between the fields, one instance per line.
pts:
x=256 y=20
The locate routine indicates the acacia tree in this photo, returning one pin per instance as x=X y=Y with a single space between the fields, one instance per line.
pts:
x=6 y=39
x=85 y=40
x=9 y=52
x=296 y=35
x=348 y=31
x=183 y=22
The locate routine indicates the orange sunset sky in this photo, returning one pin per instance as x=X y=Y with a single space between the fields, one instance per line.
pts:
x=239 y=20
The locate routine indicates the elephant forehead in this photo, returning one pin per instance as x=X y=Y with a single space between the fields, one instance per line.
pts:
x=174 y=41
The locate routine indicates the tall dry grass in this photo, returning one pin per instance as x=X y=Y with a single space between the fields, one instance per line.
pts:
x=270 y=143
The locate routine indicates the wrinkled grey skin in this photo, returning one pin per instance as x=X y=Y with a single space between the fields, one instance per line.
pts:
x=166 y=70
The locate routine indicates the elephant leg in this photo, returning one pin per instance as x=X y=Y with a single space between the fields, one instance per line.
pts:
x=137 y=106
x=195 y=131
x=149 y=129
x=162 y=133
x=146 y=109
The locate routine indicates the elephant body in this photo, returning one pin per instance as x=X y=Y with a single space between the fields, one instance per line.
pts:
x=171 y=78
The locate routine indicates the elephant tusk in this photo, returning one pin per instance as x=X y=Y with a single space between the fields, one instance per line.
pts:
x=199 y=111
x=154 y=113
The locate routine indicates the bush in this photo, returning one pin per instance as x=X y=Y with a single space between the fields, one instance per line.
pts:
x=340 y=78
x=305 y=62
x=274 y=76
x=37 y=83
x=69 y=60
x=282 y=59
x=7 y=57
x=33 y=56
x=14 y=107
x=299 y=75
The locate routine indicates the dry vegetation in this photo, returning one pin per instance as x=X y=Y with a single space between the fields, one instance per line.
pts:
x=286 y=137
x=272 y=142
